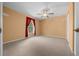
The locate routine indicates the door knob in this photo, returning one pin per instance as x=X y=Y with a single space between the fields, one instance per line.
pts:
x=77 y=30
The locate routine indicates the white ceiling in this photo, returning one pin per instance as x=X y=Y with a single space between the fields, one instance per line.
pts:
x=32 y=8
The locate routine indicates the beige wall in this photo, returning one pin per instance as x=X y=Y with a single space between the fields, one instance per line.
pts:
x=14 y=25
x=37 y=27
x=54 y=27
x=71 y=21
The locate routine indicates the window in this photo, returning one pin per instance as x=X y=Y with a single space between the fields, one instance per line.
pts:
x=31 y=29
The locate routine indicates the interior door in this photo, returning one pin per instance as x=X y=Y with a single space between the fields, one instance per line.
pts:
x=76 y=28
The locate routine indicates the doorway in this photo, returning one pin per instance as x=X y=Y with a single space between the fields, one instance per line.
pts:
x=30 y=29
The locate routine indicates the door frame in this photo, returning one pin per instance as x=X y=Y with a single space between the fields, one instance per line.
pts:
x=75 y=40
x=1 y=38
x=68 y=30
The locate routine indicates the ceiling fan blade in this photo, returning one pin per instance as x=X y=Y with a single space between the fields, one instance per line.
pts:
x=39 y=14
x=50 y=13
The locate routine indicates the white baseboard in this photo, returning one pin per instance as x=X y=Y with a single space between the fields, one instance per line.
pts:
x=53 y=37
x=70 y=47
x=13 y=40
x=71 y=50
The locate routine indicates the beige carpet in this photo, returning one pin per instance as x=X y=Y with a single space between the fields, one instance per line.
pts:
x=38 y=46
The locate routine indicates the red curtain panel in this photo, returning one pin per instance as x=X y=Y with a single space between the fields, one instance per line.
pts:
x=28 y=20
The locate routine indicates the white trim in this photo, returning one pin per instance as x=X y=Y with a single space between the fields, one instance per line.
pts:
x=67 y=28
x=67 y=32
x=75 y=28
x=72 y=50
x=1 y=29
x=74 y=43
x=52 y=37
x=13 y=40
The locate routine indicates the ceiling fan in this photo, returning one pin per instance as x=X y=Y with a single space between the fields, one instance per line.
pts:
x=45 y=13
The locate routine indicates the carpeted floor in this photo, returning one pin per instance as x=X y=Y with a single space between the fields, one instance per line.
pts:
x=38 y=46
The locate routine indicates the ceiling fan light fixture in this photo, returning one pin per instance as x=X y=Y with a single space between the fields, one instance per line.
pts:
x=44 y=14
